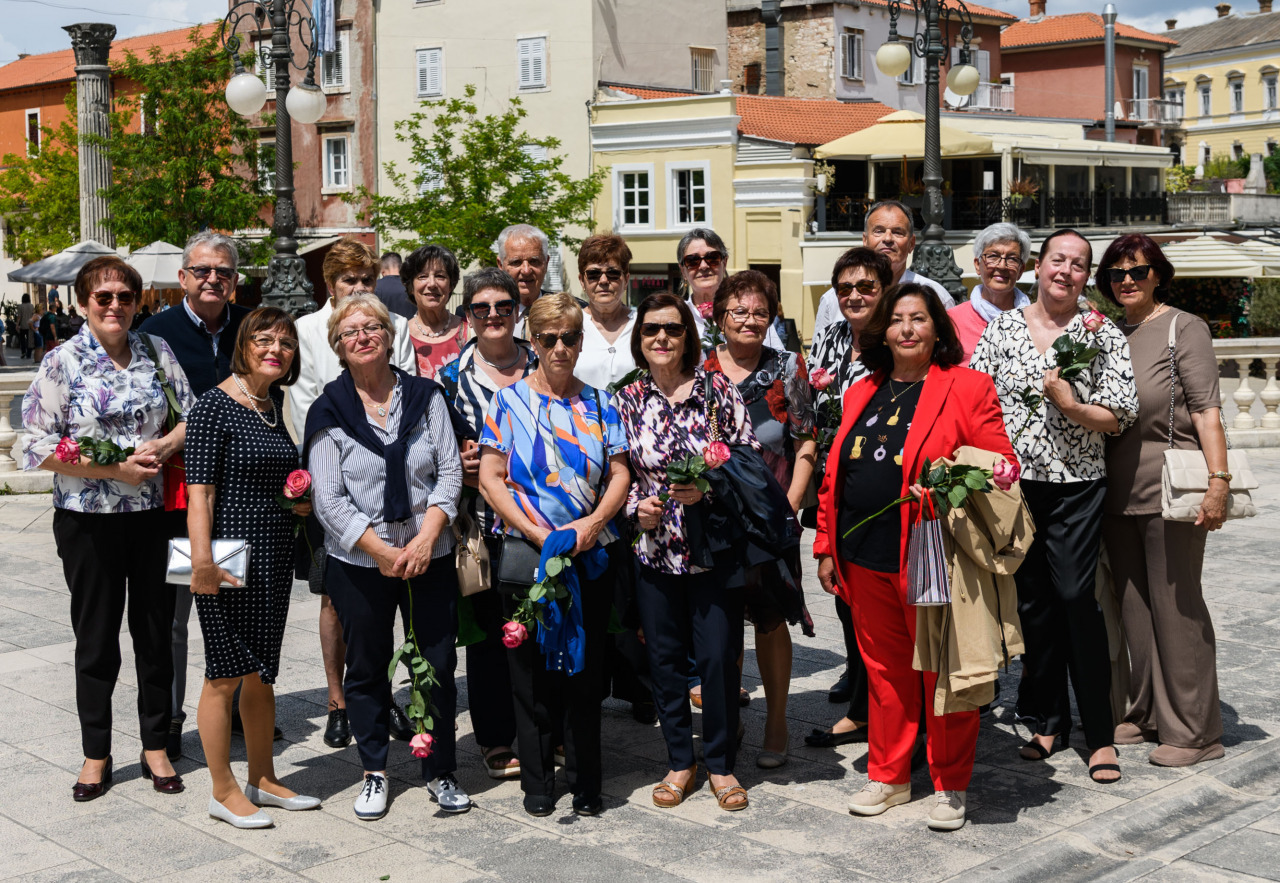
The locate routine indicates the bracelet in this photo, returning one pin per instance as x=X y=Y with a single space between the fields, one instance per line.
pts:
x=1225 y=476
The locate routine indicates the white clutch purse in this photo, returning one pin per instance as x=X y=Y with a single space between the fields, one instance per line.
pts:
x=231 y=555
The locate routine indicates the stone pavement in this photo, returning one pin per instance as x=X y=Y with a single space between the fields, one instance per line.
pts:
x=1027 y=821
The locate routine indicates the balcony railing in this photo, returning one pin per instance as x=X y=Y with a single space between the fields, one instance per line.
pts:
x=1200 y=209
x=1154 y=110
x=1250 y=397
x=975 y=210
x=989 y=97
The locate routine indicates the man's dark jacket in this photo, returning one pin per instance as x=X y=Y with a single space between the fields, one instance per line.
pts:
x=193 y=346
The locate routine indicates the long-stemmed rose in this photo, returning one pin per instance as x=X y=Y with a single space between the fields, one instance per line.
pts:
x=102 y=451
x=530 y=609
x=829 y=408
x=711 y=336
x=691 y=469
x=422 y=677
x=297 y=489
x=950 y=486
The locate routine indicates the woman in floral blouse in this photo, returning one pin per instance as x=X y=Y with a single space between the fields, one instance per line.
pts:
x=676 y=410
x=103 y=385
x=1059 y=429
x=774 y=386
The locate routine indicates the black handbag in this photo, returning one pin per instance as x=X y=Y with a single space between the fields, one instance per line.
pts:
x=517 y=563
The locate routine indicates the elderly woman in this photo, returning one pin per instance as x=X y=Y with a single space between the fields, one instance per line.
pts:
x=387 y=479
x=1060 y=434
x=774 y=386
x=999 y=254
x=238 y=456
x=676 y=410
x=604 y=265
x=104 y=384
x=917 y=405
x=704 y=264
x=491 y=361
x=1173 y=691
x=554 y=470
x=431 y=273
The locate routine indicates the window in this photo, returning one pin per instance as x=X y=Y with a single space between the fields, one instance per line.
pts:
x=431 y=179
x=33 y=131
x=1205 y=155
x=633 y=197
x=267 y=166
x=334 y=69
x=914 y=73
x=337 y=163
x=1237 y=96
x=851 y=42
x=690 y=198
x=751 y=78
x=703 y=63
x=264 y=64
x=1237 y=151
x=430 y=72
x=1206 y=101
x=1140 y=83
x=531 y=58
x=1269 y=92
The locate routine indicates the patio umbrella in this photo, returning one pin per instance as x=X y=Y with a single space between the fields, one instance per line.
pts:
x=1209 y=256
x=61 y=268
x=1264 y=253
x=158 y=264
x=902 y=134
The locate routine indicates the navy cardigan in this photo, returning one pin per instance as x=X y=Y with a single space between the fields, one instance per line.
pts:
x=193 y=346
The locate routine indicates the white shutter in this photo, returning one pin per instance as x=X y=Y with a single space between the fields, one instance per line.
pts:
x=430 y=72
x=335 y=64
x=984 y=66
x=531 y=57
x=264 y=65
x=852 y=49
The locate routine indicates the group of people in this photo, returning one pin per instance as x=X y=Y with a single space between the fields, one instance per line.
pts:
x=636 y=478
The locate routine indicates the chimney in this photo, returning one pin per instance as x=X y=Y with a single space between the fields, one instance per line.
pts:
x=1037 y=9
x=22 y=55
x=1224 y=9
x=1170 y=24
x=1264 y=5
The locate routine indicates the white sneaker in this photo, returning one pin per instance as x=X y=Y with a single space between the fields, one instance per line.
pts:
x=876 y=797
x=449 y=794
x=371 y=803
x=948 y=812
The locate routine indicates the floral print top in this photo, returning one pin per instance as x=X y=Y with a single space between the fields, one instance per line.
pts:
x=1051 y=447
x=660 y=432
x=435 y=354
x=79 y=392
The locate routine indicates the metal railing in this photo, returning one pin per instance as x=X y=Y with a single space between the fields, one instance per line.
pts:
x=990 y=96
x=1154 y=110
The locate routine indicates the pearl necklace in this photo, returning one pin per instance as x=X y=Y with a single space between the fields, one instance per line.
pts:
x=253 y=403
x=428 y=332
x=507 y=367
x=1156 y=312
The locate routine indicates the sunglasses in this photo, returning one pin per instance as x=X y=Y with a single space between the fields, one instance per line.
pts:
x=613 y=274
x=548 y=340
x=503 y=308
x=651 y=329
x=712 y=259
x=223 y=273
x=1138 y=273
x=264 y=341
x=865 y=287
x=104 y=298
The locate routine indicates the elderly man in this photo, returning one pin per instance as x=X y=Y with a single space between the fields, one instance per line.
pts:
x=350 y=267
x=202 y=334
x=888 y=230
x=390 y=289
x=524 y=252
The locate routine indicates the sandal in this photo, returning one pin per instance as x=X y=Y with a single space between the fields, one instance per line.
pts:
x=723 y=795
x=1101 y=768
x=501 y=764
x=667 y=795
x=1033 y=750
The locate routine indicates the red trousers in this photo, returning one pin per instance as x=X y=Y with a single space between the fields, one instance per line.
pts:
x=886 y=628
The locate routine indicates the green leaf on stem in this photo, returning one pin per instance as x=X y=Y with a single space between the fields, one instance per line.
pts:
x=702 y=484
x=555 y=566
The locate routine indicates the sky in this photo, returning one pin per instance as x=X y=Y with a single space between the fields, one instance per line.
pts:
x=36 y=25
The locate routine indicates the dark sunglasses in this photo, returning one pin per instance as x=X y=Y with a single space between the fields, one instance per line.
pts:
x=613 y=274
x=1138 y=273
x=548 y=340
x=223 y=273
x=104 y=298
x=651 y=329
x=712 y=259
x=864 y=286
x=503 y=308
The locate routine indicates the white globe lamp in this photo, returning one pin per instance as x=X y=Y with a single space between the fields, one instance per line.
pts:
x=246 y=94
x=893 y=58
x=305 y=103
x=963 y=79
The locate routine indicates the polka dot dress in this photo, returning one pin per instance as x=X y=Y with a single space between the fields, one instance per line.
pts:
x=229 y=447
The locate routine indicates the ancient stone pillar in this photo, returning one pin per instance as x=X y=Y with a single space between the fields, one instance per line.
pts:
x=92 y=44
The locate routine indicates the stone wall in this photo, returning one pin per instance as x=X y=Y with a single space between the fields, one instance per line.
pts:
x=746 y=46
x=808 y=40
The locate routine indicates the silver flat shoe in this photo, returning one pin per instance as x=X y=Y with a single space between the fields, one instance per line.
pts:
x=298 y=802
x=449 y=794
x=257 y=820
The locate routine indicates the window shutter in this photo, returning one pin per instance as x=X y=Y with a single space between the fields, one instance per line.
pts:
x=335 y=63
x=857 y=55
x=531 y=56
x=430 y=72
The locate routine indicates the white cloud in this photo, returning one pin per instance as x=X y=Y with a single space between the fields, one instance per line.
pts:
x=1155 y=23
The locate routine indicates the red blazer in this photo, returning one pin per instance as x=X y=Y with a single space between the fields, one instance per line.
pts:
x=957 y=407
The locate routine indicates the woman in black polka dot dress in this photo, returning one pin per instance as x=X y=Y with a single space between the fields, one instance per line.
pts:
x=238 y=456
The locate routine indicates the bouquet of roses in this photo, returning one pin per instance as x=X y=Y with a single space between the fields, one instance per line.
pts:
x=297 y=489
x=949 y=486
x=102 y=451
x=422 y=677
x=549 y=589
x=1072 y=357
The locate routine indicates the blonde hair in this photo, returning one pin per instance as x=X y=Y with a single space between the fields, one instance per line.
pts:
x=359 y=303
x=552 y=308
x=348 y=255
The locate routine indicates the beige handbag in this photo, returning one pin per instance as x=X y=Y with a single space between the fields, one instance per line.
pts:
x=1184 y=477
x=471 y=554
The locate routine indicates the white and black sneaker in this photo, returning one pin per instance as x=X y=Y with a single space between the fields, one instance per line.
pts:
x=371 y=803
x=449 y=794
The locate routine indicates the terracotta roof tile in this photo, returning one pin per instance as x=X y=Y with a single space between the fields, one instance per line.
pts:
x=974 y=9
x=1074 y=28
x=60 y=66
x=791 y=120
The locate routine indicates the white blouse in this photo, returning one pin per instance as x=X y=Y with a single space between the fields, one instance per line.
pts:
x=601 y=363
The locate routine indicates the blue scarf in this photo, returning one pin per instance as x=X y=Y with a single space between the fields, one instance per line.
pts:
x=563 y=637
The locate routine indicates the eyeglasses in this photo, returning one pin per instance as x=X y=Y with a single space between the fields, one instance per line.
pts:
x=865 y=287
x=1138 y=273
x=742 y=315
x=548 y=340
x=288 y=344
x=712 y=259
x=223 y=273
x=104 y=298
x=991 y=259
x=503 y=308
x=370 y=330
x=613 y=274
x=651 y=329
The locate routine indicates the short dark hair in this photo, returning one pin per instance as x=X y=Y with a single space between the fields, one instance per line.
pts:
x=100 y=269
x=1134 y=246
x=1065 y=231
x=260 y=320
x=421 y=258
x=743 y=283
x=488 y=277
x=866 y=258
x=692 y=354
x=602 y=248
x=875 y=349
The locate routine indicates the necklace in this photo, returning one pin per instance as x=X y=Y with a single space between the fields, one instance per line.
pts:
x=1156 y=312
x=429 y=332
x=253 y=403
x=894 y=396
x=381 y=409
x=508 y=366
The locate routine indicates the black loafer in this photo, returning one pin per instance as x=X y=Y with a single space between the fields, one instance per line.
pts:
x=841 y=690
x=829 y=739
x=539 y=804
x=401 y=728
x=337 y=733
x=644 y=713
x=584 y=805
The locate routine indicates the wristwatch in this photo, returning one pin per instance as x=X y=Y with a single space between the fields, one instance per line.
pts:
x=1225 y=476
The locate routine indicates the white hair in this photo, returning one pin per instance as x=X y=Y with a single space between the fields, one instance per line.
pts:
x=522 y=231
x=211 y=239
x=1002 y=232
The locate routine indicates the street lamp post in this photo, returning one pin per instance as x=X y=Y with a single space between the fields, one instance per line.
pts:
x=933 y=258
x=286 y=285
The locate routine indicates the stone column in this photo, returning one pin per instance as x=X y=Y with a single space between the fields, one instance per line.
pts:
x=92 y=44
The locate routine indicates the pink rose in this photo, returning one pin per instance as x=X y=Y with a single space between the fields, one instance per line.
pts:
x=715 y=454
x=707 y=309
x=297 y=484
x=1005 y=474
x=420 y=744
x=513 y=635
x=1093 y=321
x=820 y=379
x=68 y=451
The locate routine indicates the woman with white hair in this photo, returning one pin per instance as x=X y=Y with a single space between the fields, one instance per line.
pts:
x=999 y=254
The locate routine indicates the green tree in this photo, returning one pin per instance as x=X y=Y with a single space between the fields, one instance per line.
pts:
x=471 y=176
x=40 y=194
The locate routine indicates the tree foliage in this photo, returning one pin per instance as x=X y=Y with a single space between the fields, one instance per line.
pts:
x=471 y=176
x=40 y=194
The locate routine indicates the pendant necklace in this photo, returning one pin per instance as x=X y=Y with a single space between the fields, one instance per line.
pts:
x=381 y=409
x=253 y=403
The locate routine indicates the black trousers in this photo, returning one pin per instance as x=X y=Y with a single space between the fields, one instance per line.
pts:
x=493 y=714
x=366 y=602
x=110 y=562
x=855 y=667
x=1062 y=623
x=549 y=703
x=693 y=614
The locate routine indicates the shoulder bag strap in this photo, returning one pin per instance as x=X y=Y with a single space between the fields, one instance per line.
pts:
x=713 y=412
x=171 y=397
x=1173 y=373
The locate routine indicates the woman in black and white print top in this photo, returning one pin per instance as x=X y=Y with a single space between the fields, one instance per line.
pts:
x=1063 y=458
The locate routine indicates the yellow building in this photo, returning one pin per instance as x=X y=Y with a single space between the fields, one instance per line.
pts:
x=1222 y=80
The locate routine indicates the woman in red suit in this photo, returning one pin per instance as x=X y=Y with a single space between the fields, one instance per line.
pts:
x=918 y=403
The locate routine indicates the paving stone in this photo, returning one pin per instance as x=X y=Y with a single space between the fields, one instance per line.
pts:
x=79 y=871
x=397 y=862
x=26 y=852
x=1249 y=851
x=1186 y=871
